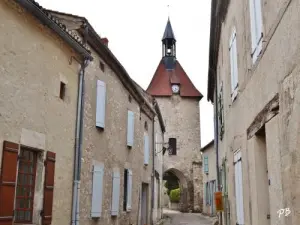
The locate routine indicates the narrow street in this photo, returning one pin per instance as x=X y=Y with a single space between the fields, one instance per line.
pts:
x=178 y=218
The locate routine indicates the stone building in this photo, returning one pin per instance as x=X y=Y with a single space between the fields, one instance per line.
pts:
x=253 y=81
x=38 y=103
x=178 y=100
x=209 y=178
x=120 y=174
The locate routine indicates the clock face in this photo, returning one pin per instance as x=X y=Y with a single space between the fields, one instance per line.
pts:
x=175 y=88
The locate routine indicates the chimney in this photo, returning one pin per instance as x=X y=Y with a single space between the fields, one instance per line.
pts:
x=105 y=41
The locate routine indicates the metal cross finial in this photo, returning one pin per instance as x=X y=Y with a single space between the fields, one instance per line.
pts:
x=168 y=11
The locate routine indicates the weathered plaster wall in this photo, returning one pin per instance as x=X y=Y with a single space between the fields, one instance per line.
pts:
x=177 y=113
x=109 y=146
x=273 y=73
x=33 y=61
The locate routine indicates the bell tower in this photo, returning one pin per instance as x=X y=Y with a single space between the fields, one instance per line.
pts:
x=168 y=42
x=178 y=100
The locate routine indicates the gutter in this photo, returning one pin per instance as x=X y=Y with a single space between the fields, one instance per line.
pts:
x=46 y=20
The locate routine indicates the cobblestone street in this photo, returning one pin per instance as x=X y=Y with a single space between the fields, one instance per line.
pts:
x=178 y=218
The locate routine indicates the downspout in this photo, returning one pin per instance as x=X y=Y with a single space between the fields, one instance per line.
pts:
x=78 y=143
x=153 y=168
x=217 y=137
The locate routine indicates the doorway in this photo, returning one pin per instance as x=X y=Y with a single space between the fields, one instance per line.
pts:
x=144 y=204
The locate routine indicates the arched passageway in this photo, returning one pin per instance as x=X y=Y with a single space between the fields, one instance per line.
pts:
x=176 y=179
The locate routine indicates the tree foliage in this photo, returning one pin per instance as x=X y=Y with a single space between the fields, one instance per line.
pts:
x=175 y=195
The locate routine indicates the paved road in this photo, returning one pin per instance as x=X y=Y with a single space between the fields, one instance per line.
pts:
x=178 y=218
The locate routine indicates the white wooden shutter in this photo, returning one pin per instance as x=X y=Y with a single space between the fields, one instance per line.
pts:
x=233 y=62
x=146 y=149
x=205 y=164
x=129 y=190
x=130 y=128
x=115 y=192
x=97 y=192
x=256 y=28
x=239 y=187
x=100 y=104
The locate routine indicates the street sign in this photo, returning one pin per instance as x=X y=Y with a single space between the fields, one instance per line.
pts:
x=219 y=201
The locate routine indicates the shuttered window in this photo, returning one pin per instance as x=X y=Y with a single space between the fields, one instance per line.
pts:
x=256 y=28
x=205 y=164
x=233 y=65
x=129 y=190
x=115 y=193
x=48 y=188
x=100 y=104
x=25 y=186
x=97 y=193
x=8 y=182
x=239 y=187
x=130 y=128
x=146 y=149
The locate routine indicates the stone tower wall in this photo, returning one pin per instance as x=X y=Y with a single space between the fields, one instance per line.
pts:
x=181 y=116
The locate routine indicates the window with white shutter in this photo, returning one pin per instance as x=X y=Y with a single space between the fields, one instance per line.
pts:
x=146 y=149
x=256 y=28
x=130 y=128
x=100 y=104
x=205 y=164
x=233 y=65
x=97 y=193
x=115 y=192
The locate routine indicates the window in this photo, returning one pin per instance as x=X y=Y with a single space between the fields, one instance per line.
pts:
x=25 y=186
x=100 y=104
x=97 y=192
x=207 y=193
x=172 y=146
x=205 y=164
x=125 y=190
x=233 y=65
x=102 y=66
x=221 y=112
x=256 y=28
x=17 y=184
x=146 y=149
x=130 y=128
x=62 y=90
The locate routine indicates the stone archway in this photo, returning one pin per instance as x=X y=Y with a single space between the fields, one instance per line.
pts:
x=183 y=185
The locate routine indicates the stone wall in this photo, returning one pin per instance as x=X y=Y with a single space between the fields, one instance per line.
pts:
x=182 y=121
x=275 y=72
x=33 y=62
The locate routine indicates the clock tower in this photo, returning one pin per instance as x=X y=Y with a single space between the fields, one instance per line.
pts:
x=178 y=100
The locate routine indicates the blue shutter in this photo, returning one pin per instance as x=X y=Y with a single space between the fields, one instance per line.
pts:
x=97 y=193
x=115 y=193
x=100 y=104
x=129 y=190
x=130 y=128
x=146 y=149
x=205 y=164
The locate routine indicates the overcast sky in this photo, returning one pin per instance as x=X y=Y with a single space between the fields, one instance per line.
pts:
x=134 y=29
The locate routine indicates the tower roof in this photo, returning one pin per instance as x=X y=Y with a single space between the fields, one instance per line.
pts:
x=169 y=34
x=161 y=83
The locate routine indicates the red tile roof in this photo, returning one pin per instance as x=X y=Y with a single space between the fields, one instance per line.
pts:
x=162 y=80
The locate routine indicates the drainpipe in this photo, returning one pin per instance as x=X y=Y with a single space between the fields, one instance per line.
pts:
x=216 y=132
x=153 y=168
x=78 y=144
